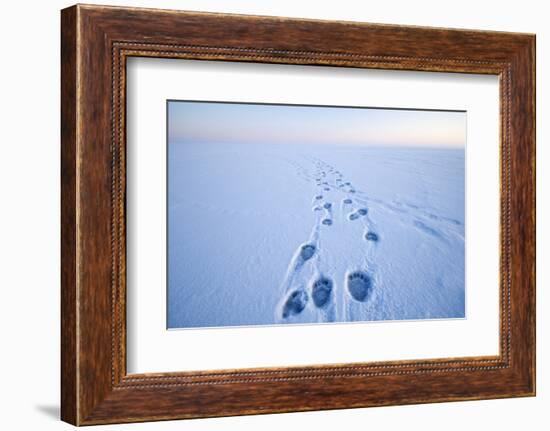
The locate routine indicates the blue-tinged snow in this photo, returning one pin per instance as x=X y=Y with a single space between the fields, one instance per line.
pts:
x=277 y=234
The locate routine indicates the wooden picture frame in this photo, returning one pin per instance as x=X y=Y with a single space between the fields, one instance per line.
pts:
x=95 y=43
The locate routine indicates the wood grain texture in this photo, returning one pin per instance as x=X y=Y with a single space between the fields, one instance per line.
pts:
x=96 y=41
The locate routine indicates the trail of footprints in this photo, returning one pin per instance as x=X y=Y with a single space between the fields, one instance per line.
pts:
x=320 y=291
x=305 y=284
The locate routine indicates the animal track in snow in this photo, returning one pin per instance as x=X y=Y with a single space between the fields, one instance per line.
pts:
x=371 y=236
x=359 y=285
x=295 y=303
x=356 y=214
x=307 y=251
x=321 y=291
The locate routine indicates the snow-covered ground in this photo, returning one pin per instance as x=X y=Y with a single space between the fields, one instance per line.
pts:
x=277 y=234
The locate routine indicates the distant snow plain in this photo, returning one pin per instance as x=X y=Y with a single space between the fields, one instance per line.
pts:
x=300 y=234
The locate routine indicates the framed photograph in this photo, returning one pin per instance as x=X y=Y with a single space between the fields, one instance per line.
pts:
x=264 y=214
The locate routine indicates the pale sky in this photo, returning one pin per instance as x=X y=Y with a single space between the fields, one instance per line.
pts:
x=294 y=124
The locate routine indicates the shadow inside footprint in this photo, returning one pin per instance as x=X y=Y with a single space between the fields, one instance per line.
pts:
x=359 y=285
x=362 y=211
x=327 y=205
x=327 y=222
x=319 y=197
x=307 y=251
x=353 y=216
x=321 y=291
x=347 y=201
x=371 y=236
x=295 y=303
